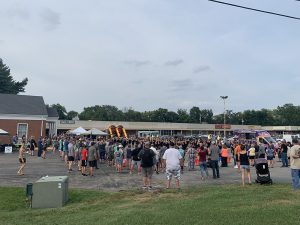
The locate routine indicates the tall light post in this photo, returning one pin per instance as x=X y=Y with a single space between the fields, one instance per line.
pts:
x=224 y=98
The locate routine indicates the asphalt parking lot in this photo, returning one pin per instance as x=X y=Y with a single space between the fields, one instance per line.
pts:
x=107 y=179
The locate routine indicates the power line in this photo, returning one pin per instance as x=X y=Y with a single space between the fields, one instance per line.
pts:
x=257 y=10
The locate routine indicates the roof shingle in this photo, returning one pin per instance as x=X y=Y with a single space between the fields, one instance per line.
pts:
x=22 y=104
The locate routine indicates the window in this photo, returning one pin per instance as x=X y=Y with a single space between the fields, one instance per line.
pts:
x=22 y=130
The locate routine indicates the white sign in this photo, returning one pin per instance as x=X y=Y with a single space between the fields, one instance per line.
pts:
x=8 y=149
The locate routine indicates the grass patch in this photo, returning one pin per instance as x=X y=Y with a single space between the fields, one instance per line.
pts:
x=228 y=204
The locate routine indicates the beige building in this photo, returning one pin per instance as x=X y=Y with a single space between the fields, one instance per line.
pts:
x=132 y=128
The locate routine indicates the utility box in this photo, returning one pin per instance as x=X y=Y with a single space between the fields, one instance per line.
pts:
x=50 y=192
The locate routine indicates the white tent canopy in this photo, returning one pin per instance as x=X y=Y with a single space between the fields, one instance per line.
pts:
x=96 y=132
x=78 y=131
x=3 y=132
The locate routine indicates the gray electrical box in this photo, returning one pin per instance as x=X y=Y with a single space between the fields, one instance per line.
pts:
x=50 y=192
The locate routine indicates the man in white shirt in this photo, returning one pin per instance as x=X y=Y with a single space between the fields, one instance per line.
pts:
x=172 y=160
x=295 y=164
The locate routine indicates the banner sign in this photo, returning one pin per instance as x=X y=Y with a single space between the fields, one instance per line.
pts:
x=223 y=126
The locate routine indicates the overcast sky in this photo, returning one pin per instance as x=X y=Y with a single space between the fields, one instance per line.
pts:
x=147 y=54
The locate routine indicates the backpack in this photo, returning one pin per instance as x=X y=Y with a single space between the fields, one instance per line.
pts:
x=147 y=158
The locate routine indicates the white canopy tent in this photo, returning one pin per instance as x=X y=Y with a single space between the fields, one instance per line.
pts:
x=78 y=131
x=96 y=132
x=3 y=132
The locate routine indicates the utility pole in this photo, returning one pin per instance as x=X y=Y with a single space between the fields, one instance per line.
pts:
x=224 y=98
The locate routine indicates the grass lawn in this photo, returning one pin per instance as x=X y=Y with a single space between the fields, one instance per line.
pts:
x=228 y=204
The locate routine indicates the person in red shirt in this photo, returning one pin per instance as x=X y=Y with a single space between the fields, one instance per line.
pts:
x=84 y=153
x=202 y=162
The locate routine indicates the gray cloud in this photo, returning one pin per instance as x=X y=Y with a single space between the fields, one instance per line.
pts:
x=181 y=85
x=137 y=63
x=50 y=19
x=175 y=62
x=138 y=81
x=18 y=12
x=200 y=69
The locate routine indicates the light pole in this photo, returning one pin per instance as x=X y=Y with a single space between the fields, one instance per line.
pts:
x=224 y=98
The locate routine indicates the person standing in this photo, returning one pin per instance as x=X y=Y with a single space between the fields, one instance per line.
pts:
x=33 y=145
x=245 y=165
x=92 y=154
x=43 y=155
x=172 y=160
x=60 y=148
x=54 y=145
x=161 y=153
x=84 y=155
x=119 y=158
x=295 y=164
x=22 y=159
x=135 y=159
x=191 y=154
x=146 y=155
x=214 y=152
x=110 y=154
x=270 y=155
x=284 y=158
x=40 y=147
x=65 y=150
x=251 y=154
x=155 y=159
x=181 y=151
x=237 y=150
x=102 y=151
x=224 y=155
x=128 y=155
x=71 y=155
x=202 y=162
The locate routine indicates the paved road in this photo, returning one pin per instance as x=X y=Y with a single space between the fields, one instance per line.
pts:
x=107 y=179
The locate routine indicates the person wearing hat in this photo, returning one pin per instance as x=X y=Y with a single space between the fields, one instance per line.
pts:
x=214 y=153
x=119 y=158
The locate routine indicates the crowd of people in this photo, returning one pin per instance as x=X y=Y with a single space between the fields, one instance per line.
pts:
x=171 y=156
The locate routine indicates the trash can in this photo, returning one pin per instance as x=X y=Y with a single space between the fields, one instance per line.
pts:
x=50 y=192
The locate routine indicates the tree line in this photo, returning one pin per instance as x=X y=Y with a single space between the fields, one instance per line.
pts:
x=286 y=115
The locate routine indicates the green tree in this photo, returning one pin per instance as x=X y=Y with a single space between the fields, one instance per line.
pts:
x=61 y=110
x=71 y=115
x=206 y=115
x=147 y=116
x=132 y=115
x=7 y=84
x=218 y=119
x=287 y=114
x=183 y=116
x=172 y=117
x=195 y=115
x=102 y=113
